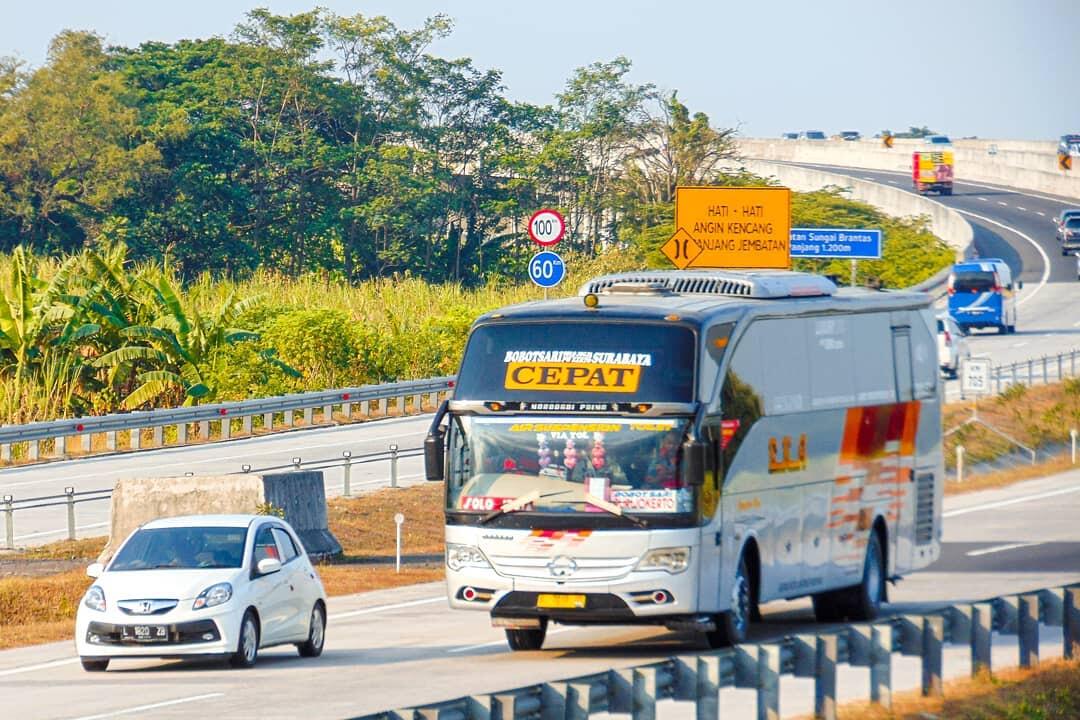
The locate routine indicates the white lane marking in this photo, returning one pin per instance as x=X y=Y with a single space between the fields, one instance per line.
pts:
x=38 y=666
x=383 y=608
x=1003 y=204
x=1019 y=344
x=984 y=199
x=493 y=643
x=1021 y=208
x=1006 y=503
x=1045 y=258
x=186 y=463
x=152 y=706
x=1040 y=212
x=892 y=182
x=867 y=177
x=1002 y=548
x=61 y=530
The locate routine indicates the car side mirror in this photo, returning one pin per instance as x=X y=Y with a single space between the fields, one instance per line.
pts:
x=693 y=463
x=268 y=566
x=95 y=570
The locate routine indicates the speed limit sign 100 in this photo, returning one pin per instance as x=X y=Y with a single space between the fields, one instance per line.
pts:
x=547 y=227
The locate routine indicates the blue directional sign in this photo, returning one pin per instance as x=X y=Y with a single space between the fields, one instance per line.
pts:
x=546 y=269
x=836 y=243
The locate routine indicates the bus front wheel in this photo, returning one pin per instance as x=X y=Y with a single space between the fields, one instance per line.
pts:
x=527 y=639
x=732 y=627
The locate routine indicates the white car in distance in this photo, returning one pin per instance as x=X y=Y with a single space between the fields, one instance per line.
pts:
x=202 y=585
x=952 y=345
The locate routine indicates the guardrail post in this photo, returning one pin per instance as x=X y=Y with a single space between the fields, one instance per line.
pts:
x=1060 y=375
x=135 y=438
x=644 y=694
x=346 y=410
x=347 y=470
x=204 y=430
x=768 y=690
x=881 y=644
x=553 y=701
x=9 y=525
x=401 y=406
x=959 y=463
x=1072 y=437
x=32 y=449
x=307 y=416
x=1046 y=379
x=1070 y=624
x=982 y=627
x=1031 y=372
x=418 y=403
x=245 y=425
x=290 y=418
x=70 y=492
x=708 y=688
x=5 y=453
x=181 y=433
x=1028 y=630
x=84 y=443
x=226 y=427
x=825 y=680
x=110 y=440
x=58 y=446
x=328 y=414
x=620 y=692
x=393 y=466
x=268 y=421
x=933 y=646
x=159 y=436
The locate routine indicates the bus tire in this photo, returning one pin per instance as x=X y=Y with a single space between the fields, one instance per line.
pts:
x=864 y=600
x=827 y=607
x=527 y=639
x=733 y=626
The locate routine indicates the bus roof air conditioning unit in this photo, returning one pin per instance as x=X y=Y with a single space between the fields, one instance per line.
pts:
x=758 y=284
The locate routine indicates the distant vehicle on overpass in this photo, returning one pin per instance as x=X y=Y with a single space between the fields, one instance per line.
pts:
x=932 y=170
x=850 y=135
x=1069 y=145
x=981 y=295
x=1069 y=235
x=650 y=453
x=812 y=135
x=789 y=136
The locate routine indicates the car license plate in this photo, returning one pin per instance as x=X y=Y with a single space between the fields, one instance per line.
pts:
x=561 y=602
x=145 y=633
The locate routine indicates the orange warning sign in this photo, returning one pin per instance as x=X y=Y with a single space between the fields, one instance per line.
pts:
x=731 y=227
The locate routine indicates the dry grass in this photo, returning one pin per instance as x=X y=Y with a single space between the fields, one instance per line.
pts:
x=1010 y=476
x=37 y=607
x=1049 y=692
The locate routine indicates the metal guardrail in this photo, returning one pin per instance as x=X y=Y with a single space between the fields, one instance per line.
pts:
x=70 y=498
x=699 y=678
x=53 y=434
x=1043 y=370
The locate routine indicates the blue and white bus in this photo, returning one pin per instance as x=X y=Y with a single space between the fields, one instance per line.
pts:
x=981 y=295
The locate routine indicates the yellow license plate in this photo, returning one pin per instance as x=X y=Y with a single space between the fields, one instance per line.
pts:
x=545 y=600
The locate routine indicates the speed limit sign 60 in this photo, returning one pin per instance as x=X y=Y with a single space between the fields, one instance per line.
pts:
x=546 y=227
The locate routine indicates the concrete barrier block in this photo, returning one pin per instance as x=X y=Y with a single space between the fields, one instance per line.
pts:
x=301 y=495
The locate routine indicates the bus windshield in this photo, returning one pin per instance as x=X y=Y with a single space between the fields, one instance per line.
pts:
x=575 y=465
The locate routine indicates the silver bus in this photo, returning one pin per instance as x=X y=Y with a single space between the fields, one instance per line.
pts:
x=679 y=447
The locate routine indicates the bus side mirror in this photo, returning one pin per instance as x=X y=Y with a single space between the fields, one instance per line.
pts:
x=434 y=456
x=1019 y=284
x=693 y=464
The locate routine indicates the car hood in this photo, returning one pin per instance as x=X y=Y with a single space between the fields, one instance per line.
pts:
x=163 y=584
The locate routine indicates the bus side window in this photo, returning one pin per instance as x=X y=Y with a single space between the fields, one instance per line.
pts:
x=742 y=399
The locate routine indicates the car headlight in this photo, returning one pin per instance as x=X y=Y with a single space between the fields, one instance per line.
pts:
x=463 y=556
x=672 y=560
x=213 y=595
x=95 y=599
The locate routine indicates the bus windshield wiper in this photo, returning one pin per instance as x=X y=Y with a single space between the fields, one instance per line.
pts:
x=610 y=508
x=513 y=506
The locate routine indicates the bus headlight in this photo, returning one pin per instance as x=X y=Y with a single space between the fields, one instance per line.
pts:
x=672 y=560
x=463 y=556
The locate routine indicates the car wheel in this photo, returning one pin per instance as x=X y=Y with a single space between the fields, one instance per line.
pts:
x=313 y=646
x=247 y=646
x=527 y=639
x=93 y=665
x=733 y=626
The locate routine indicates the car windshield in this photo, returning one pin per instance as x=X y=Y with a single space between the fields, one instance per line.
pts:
x=1073 y=223
x=972 y=281
x=633 y=464
x=938 y=140
x=182 y=548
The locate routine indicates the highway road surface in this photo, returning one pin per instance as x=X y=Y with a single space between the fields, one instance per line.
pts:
x=403 y=647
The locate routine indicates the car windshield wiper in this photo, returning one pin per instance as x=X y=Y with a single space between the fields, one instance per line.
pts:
x=610 y=508
x=513 y=506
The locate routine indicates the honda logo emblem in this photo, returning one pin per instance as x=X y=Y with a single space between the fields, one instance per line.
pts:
x=145 y=607
x=562 y=566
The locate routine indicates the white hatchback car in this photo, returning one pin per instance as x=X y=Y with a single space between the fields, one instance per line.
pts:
x=202 y=585
x=952 y=345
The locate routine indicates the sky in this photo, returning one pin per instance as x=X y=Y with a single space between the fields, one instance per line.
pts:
x=993 y=69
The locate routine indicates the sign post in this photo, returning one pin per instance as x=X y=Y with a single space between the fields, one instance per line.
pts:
x=731 y=227
x=399 y=519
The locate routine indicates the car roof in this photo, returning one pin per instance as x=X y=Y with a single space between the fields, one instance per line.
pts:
x=205 y=521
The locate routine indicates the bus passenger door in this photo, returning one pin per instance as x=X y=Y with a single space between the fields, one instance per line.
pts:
x=711 y=525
